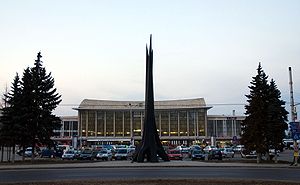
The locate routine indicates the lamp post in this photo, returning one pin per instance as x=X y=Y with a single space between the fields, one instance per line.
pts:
x=295 y=111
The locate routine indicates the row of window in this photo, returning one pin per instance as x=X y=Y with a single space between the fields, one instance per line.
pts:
x=130 y=123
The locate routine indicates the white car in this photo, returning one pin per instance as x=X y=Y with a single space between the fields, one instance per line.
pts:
x=238 y=148
x=227 y=152
x=209 y=148
x=104 y=155
x=121 y=154
x=182 y=148
x=28 y=152
x=69 y=154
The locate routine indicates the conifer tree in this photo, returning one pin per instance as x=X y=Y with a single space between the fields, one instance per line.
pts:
x=11 y=116
x=254 y=125
x=277 y=117
x=265 y=122
x=26 y=108
x=44 y=100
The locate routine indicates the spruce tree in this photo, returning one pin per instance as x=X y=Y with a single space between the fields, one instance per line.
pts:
x=254 y=125
x=44 y=100
x=277 y=117
x=265 y=122
x=11 y=116
x=26 y=108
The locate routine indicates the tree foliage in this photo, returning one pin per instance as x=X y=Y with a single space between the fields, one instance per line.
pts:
x=264 y=125
x=28 y=119
x=11 y=115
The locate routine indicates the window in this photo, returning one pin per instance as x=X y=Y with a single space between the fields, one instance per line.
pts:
x=164 y=124
x=91 y=123
x=100 y=123
x=174 y=123
x=109 y=123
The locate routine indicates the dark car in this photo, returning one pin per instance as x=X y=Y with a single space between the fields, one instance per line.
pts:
x=77 y=154
x=59 y=153
x=215 y=154
x=198 y=155
x=248 y=153
x=48 y=153
x=86 y=154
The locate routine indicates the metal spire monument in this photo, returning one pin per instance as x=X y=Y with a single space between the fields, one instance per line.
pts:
x=150 y=146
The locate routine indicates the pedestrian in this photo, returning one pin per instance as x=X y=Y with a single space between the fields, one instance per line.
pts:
x=296 y=154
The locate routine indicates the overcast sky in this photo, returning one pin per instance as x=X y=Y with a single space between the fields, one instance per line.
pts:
x=96 y=49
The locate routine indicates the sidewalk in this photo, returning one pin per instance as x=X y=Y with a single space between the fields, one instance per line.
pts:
x=128 y=164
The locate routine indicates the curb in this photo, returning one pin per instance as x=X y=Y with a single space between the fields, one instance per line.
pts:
x=125 y=164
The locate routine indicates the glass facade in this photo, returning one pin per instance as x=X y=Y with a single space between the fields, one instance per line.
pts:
x=224 y=127
x=69 y=127
x=128 y=123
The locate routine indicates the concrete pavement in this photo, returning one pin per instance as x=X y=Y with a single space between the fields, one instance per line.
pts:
x=128 y=164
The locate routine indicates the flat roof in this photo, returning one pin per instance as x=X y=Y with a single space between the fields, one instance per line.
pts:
x=89 y=104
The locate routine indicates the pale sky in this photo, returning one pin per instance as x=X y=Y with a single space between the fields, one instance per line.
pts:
x=96 y=49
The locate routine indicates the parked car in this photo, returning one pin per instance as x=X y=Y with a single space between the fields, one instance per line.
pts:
x=238 y=148
x=215 y=154
x=248 y=154
x=131 y=152
x=207 y=149
x=121 y=154
x=20 y=152
x=104 y=154
x=77 y=154
x=69 y=155
x=288 y=142
x=28 y=152
x=175 y=155
x=195 y=147
x=198 y=155
x=109 y=147
x=47 y=153
x=227 y=152
x=86 y=154
x=185 y=153
x=182 y=147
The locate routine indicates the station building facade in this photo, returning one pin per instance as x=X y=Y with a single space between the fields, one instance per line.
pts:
x=224 y=127
x=68 y=131
x=177 y=121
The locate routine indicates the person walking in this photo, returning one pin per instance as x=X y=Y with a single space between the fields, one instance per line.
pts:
x=295 y=154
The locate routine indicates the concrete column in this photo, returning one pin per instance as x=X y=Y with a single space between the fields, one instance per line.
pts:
x=224 y=128
x=232 y=128
x=123 y=124
x=205 y=124
x=104 y=124
x=96 y=129
x=234 y=123
x=87 y=124
x=197 y=124
x=159 y=124
x=169 y=124
x=178 y=120
x=131 y=124
x=80 y=131
x=187 y=123
x=114 y=124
